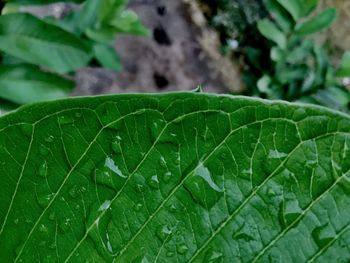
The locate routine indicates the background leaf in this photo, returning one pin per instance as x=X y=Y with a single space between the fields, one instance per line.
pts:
x=183 y=177
x=29 y=38
x=23 y=84
x=317 y=23
x=270 y=31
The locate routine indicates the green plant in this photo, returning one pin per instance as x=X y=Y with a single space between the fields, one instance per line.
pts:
x=36 y=52
x=298 y=69
x=182 y=177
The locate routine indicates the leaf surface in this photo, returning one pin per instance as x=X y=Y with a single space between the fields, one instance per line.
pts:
x=178 y=177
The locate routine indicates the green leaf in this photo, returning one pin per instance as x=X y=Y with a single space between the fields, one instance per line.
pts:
x=293 y=7
x=307 y=6
x=184 y=177
x=27 y=37
x=280 y=15
x=344 y=69
x=107 y=56
x=23 y=84
x=42 y=2
x=270 y=31
x=317 y=23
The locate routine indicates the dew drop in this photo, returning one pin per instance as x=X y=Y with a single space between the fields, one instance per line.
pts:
x=27 y=130
x=106 y=204
x=109 y=174
x=274 y=154
x=202 y=187
x=181 y=249
x=16 y=221
x=49 y=139
x=138 y=207
x=169 y=254
x=43 y=228
x=245 y=232
x=74 y=191
x=153 y=182
x=139 y=188
x=163 y=232
x=323 y=235
x=162 y=162
x=78 y=114
x=167 y=176
x=213 y=256
x=44 y=200
x=289 y=211
x=42 y=171
x=65 y=119
x=172 y=208
x=65 y=224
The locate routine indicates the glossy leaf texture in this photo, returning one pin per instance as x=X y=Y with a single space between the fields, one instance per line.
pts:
x=28 y=38
x=182 y=177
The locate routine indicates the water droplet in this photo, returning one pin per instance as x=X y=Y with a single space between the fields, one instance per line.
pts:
x=138 y=207
x=106 y=204
x=162 y=162
x=245 y=232
x=167 y=176
x=43 y=228
x=139 y=188
x=83 y=189
x=49 y=139
x=299 y=114
x=65 y=119
x=74 y=191
x=16 y=221
x=65 y=224
x=202 y=187
x=42 y=171
x=323 y=235
x=181 y=249
x=109 y=174
x=172 y=208
x=153 y=182
x=213 y=256
x=289 y=211
x=78 y=114
x=274 y=154
x=44 y=200
x=169 y=254
x=163 y=232
x=271 y=192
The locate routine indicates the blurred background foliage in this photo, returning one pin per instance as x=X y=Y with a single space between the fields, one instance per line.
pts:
x=279 y=47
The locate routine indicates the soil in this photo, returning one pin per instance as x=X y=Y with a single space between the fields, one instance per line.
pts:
x=181 y=54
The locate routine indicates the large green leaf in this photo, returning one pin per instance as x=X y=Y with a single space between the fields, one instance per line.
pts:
x=29 y=38
x=174 y=178
x=23 y=84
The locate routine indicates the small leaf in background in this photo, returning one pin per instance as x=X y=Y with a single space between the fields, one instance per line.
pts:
x=292 y=6
x=264 y=83
x=280 y=15
x=307 y=6
x=269 y=30
x=105 y=35
x=24 y=83
x=42 y=2
x=344 y=68
x=29 y=38
x=107 y=56
x=317 y=23
x=277 y=54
